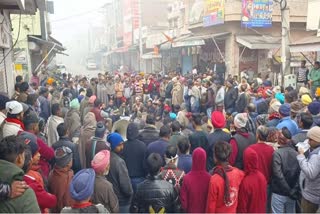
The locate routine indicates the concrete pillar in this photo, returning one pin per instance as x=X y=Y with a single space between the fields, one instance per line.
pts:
x=232 y=55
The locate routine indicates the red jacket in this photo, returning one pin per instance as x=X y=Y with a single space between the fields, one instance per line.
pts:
x=194 y=190
x=253 y=189
x=45 y=199
x=97 y=113
x=47 y=154
x=215 y=201
x=265 y=153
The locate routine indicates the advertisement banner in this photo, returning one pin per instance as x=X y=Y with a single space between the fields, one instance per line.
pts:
x=213 y=13
x=256 y=13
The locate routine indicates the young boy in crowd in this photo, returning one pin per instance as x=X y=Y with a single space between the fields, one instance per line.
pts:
x=185 y=159
x=170 y=171
x=33 y=178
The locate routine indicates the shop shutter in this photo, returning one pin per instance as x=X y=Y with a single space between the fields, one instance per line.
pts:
x=3 y=83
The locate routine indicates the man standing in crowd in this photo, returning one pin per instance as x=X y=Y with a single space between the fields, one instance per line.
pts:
x=310 y=173
x=241 y=140
x=134 y=155
x=150 y=133
x=13 y=123
x=285 y=176
x=314 y=78
x=54 y=120
x=118 y=174
x=302 y=75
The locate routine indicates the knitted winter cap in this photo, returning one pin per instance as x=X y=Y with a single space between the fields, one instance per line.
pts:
x=296 y=107
x=241 y=120
x=284 y=110
x=313 y=134
x=114 y=139
x=314 y=107
x=274 y=107
x=63 y=156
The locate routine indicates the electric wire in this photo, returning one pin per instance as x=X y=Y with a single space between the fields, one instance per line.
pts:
x=15 y=43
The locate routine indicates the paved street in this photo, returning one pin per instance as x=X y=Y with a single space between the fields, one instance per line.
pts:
x=82 y=70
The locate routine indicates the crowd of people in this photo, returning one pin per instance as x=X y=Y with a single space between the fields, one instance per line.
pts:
x=194 y=144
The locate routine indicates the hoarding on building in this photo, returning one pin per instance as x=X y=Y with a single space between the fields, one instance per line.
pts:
x=196 y=11
x=213 y=12
x=256 y=13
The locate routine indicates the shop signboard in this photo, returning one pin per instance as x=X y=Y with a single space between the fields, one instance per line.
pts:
x=256 y=13
x=188 y=43
x=213 y=13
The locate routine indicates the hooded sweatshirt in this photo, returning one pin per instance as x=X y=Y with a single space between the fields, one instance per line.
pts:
x=134 y=152
x=253 y=189
x=194 y=190
x=27 y=202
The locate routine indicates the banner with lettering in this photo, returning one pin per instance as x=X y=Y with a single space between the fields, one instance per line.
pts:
x=213 y=12
x=256 y=13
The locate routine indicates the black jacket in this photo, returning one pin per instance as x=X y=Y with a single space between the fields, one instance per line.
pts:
x=168 y=92
x=156 y=194
x=230 y=98
x=119 y=177
x=285 y=172
x=242 y=103
x=216 y=136
x=64 y=141
x=134 y=152
x=149 y=134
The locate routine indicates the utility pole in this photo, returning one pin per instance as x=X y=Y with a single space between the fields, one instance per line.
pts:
x=285 y=40
x=140 y=35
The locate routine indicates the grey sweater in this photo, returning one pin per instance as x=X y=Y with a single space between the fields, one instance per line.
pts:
x=310 y=176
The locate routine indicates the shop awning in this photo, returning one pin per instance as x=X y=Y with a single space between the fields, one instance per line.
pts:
x=151 y=55
x=50 y=43
x=259 y=42
x=196 y=40
x=307 y=44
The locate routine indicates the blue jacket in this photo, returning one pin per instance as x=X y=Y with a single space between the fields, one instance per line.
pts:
x=45 y=112
x=185 y=163
x=290 y=124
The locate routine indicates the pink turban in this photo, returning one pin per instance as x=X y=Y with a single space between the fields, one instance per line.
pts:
x=100 y=161
x=92 y=99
